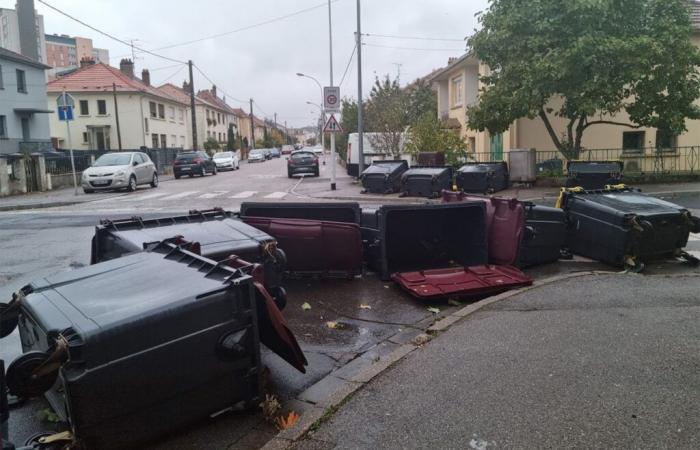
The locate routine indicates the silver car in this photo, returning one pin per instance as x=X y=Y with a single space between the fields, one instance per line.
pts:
x=123 y=170
x=256 y=155
x=226 y=160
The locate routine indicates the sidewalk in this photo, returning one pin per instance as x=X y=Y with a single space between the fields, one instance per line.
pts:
x=545 y=368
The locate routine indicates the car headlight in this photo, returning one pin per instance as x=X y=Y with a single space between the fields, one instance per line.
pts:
x=120 y=173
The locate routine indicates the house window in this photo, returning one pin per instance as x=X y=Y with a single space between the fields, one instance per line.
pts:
x=666 y=140
x=85 y=138
x=173 y=140
x=457 y=91
x=207 y=113
x=154 y=141
x=182 y=141
x=3 y=125
x=161 y=111
x=171 y=113
x=152 y=109
x=163 y=141
x=218 y=117
x=182 y=115
x=2 y=86
x=84 y=108
x=632 y=141
x=102 y=107
x=145 y=123
x=21 y=82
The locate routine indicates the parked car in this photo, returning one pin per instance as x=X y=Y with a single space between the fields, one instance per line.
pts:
x=267 y=152
x=124 y=170
x=298 y=146
x=318 y=151
x=226 y=160
x=193 y=163
x=275 y=152
x=256 y=155
x=287 y=149
x=302 y=162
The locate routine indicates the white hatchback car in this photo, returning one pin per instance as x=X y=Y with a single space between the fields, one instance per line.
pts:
x=226 y=160
x=123 y=170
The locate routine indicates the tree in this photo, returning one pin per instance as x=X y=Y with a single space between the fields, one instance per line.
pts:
x=428 y=134
x=586 y=62
x=231 y=138
x=245 y=142
x=422 y=100
x=211 y=144
x=348 y=122
x=387 y=114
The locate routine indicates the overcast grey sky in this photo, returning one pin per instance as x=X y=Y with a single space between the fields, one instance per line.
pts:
x=261 y=62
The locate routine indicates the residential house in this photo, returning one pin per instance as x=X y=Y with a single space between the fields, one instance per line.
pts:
x=24 y=121
x=458 y=88
x=147 y=116
x=259 y=131
x=243 y=122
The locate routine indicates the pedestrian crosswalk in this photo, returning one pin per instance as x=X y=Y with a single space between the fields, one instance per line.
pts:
x=187 y=195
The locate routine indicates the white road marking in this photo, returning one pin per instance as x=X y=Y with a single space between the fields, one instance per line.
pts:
x=213 y=194
x=143 y=197
x=179 y=195
x=276 y=195
x=244 y=194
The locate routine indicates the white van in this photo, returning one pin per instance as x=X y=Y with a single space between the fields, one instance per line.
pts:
x=352 y=158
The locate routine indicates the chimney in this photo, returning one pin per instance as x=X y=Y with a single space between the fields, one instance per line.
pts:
x=126 y=66
x=186 y=86
x=146 y=77
x=86 y=61
x=450 y=60
x=213 y=90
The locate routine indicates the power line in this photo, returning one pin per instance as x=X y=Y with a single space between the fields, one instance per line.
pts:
x=214 y=84
x=257 y=105
x=165 y=67
x=415 y=48
x=348 y=66
x=419 y=38
x=109 y=35
x=176 y=72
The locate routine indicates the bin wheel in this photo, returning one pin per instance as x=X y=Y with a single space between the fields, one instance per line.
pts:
x=280 y=298
x=638 y=267
x=8 y=321
x=22 y=383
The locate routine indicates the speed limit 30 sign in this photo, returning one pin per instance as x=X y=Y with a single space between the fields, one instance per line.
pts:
x=331 y=99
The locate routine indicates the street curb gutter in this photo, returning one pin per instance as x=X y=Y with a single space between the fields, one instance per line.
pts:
x=320 y=401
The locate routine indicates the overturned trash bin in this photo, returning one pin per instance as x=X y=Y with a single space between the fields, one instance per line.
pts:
x=426 y=182
x=136 y=347
x=348 y=212
x=623 y=227
x=593 y=174
x=544 y=237
x=403 y=238
x=482 y=177
x=383 y=177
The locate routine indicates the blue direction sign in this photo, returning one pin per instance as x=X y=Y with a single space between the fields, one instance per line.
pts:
x=65 y=104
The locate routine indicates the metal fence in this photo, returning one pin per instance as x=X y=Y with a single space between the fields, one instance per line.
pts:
x=161 y=157
x=61 y=165
x=649 y=160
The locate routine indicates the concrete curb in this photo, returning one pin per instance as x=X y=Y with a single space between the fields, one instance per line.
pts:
x=320 y=401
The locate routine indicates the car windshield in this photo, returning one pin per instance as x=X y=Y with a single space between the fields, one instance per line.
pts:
x=302 y=155
x=256 y=152
x=113 y=159
x=222 y=155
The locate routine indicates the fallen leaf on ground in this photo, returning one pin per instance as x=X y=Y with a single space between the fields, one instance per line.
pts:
x=386 y=286
x=306 y=306
x=270 y=406
x=48 y=416
x=434 y=310
x=285 y=422
x=365 y=307
x=332 y=325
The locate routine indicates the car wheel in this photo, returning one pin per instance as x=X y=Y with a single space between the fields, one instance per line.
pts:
x=177 y=177
x=215 y=171
x=88 y=191
x=132 y=184
x=316 y=173
x=154 y=181
x=289 y=174
x=202 y=172
x=190 y=175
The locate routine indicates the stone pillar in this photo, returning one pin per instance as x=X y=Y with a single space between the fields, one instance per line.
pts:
x=4 y=178
x=40 y=169
x=21 y=176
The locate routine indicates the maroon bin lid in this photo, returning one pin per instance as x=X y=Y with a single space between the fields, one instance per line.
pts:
x=475 y=281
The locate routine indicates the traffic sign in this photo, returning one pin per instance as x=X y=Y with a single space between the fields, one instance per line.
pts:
x=331 y=98
x=332 y=126
x=65 y=104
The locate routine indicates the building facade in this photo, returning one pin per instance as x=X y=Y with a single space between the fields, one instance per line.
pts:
x=65 y=52
x=147 y=117
x=22 y=31
x=24 y=121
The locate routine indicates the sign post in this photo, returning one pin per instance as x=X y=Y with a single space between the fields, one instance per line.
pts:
x=65 y=113
x=331 y=104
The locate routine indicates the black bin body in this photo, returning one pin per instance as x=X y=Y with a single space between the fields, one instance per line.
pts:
x=156 y=340
x=426 y=182
x=593 y=174
x=334 y=212
x=403 y=238
x=544 y=237
x=609 y=226
x=219 y=234
x=383 y=177
x=486 y=177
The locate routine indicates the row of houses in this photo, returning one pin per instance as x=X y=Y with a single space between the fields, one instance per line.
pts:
x=112 y=108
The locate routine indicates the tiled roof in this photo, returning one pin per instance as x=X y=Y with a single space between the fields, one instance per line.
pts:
x=175 y=92
x=208 y=97
x=238 y=112
x=99 y=78
x=17 y=57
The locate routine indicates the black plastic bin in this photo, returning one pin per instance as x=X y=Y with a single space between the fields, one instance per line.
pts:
x=335 y=212
x=426 y=182
x=544 y=237
x=482 y=177
x=624 y=227
x=593 y=174
x=154 y=340
x=400 y=238
x=383 y=177
x=219 y=234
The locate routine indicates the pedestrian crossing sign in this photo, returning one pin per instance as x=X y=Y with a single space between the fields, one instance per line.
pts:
x=332 y=126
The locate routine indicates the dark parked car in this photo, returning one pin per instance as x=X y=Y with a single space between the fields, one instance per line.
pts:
x=275 y=152
x=268 y=153
x=302 y=162
x=193 y=163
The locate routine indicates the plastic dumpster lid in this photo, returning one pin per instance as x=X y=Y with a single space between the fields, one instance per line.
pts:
x=594 y=166
x=333 y=211
x=434 y=170
x=386 y=166
x=629 y=201
x=475 y=281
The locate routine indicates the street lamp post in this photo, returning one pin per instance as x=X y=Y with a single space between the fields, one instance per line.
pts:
x=323 y=113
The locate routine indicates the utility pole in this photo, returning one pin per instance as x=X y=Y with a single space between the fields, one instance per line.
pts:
x=252 y=126
x=360 y=126
x=116 y=115
x=192 y=104
x=330 y=47
x=286 y=133
x=275 y=121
